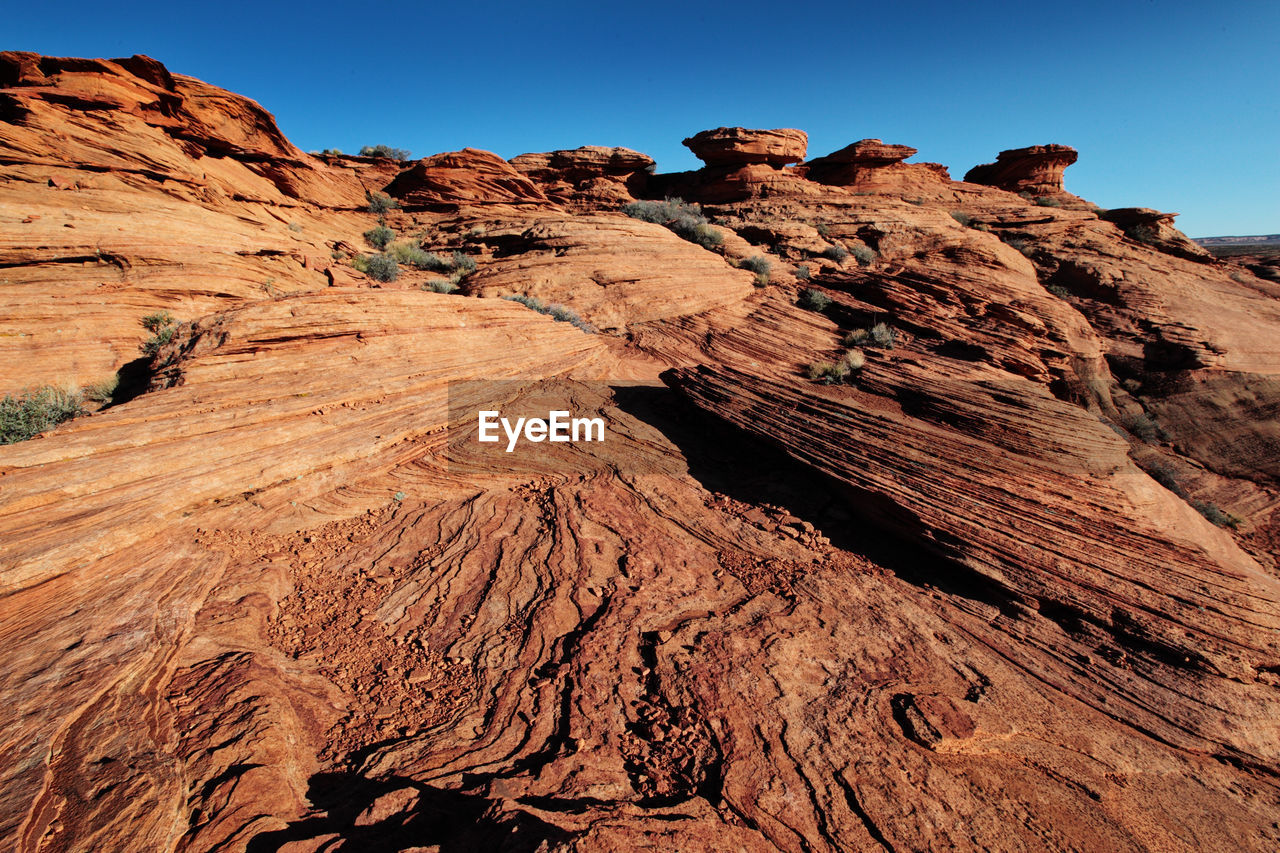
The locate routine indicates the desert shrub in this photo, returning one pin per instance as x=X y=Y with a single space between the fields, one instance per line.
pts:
x=881 y=335
x=379 y=236
x=1059 y=291
x=568 y=315
x=1212 y=512
x=834 y=372
x=380 y=202
x=684 y=219
x=413 y=256
x=23 y=417
x=1021 y=245
x=963 y=218
x=824 y=230
x=384 y=151
x=528 y=301
x=155 y=322
x=836 y=252
x=463 y=265
x=1042 y=201
x=802 y=272
x=382 y=268
x=814 y=300
x=662 y=212
x=556 y=311
x=440 y=285
x=864 y=255
x=360 y=263
x=162 y=327
x=101 y=392
x=701 y=233
x=1167 y=477
x=1143 y=427
x=759 y=265
x=331 y=151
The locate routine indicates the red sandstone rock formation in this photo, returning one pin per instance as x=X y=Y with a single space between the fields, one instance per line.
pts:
x=460 y=178
x=872 y=166
x=278 y=599
x=592 y=174
x=1037 y=169
x=738 y=146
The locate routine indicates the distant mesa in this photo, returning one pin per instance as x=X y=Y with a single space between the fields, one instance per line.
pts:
x=1037 y=169
x=739 y=146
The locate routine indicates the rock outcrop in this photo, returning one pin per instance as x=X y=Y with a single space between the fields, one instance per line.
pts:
x=1155 y=229
x=463 y=178
x=873 y=166
x=591 y=175
x=738 y=146
x=1009 y=583
x=845 y=166
x=1036 y=169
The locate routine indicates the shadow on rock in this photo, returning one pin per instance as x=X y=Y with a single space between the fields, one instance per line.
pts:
x=353 y=813
x=726 y=460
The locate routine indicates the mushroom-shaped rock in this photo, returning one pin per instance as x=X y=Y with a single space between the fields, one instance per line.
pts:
x=469 y=176
x=738 y=146
x=846 y=166
x=1037 y=169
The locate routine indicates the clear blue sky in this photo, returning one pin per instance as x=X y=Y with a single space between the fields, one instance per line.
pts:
x=1173 y=105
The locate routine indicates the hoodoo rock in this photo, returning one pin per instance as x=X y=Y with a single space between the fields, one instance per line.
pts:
x=461 y=178
x=738 y=146
x=1036 y=170
x=928 y=517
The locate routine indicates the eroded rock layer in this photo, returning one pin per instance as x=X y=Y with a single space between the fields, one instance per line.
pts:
x=928 y=517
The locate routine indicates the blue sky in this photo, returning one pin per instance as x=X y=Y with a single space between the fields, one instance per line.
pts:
x=1172 y=105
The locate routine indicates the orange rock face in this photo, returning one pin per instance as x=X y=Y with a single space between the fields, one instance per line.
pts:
x=467 y=177
x=590 y=175
x=1037 y=169
x=1008 y=583
x=738 y=146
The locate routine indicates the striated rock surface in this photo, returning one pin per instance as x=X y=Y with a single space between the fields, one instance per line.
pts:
x=1011 y=584
x=738 y=146
x=614 y=271
x=1036 y=169
x=124 y=190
